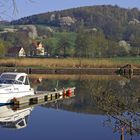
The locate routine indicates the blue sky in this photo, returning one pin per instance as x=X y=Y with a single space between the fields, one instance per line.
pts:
x=26 y=8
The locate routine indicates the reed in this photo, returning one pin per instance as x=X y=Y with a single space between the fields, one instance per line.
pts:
x=69 y=62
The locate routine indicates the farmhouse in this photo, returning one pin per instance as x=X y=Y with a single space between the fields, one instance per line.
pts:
x=37 y=49
x=16 y=52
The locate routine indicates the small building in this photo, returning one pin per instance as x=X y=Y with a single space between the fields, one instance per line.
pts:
x=16 y=52
x=37 y=49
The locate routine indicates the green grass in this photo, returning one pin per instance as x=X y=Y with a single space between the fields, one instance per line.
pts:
x=127 y=60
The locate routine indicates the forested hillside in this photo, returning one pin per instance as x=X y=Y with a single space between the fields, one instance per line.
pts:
x=94 y=31
x=113 y=20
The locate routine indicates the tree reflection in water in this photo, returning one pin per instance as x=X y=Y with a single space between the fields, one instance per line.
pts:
x=116 y=99
x=126 y=123
x=121 y=109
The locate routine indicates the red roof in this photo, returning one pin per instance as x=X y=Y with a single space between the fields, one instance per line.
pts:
x=36 y=43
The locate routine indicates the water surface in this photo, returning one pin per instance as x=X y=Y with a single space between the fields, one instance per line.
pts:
x=103 y=109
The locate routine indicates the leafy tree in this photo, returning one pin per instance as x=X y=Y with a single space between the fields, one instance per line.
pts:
x=19 y=38
x=90 y=43
x=60 y=44
x=66 y=43
x=131 y=34
x=50 y=45
x=2 y=49
x=113 y=30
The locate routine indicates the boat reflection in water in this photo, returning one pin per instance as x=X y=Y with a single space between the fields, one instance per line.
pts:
x=15 y=119
x=14 y=116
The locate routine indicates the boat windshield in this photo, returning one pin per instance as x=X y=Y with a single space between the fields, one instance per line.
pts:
x=6 y=81
x=8 y=76
x=9 y=79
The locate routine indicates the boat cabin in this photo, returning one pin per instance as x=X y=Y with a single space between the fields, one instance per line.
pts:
x=14 y=78
x=14 y=85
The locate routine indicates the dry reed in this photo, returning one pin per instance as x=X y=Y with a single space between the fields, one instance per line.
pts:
x=69 y=62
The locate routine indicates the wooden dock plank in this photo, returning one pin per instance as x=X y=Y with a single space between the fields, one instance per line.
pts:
x=43 y=97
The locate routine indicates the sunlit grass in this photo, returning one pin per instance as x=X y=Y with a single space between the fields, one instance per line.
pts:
x=70 y=62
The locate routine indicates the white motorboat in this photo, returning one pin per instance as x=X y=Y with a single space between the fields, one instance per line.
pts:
x=14 y=85
x=15 y=119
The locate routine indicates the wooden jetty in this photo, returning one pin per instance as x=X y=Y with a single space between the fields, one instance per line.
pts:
x=128 y=70
x=43 y=97
x=68 y=71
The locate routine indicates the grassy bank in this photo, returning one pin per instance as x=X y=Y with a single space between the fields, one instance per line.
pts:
x=69 y=62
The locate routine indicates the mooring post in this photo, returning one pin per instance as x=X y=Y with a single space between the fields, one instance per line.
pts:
x=29 y=70
x=127 y=70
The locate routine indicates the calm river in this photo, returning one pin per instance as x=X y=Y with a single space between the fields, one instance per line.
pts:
x=104 y=108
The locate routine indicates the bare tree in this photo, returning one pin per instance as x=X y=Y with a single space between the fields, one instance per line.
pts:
x=9 y=6
x=6 y=7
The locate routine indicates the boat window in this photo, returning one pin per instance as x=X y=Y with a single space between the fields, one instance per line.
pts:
x=27 y=81
x=21 y=123
x=7 y=81
x=18 y=82
x=8 y=76
x=21 y=78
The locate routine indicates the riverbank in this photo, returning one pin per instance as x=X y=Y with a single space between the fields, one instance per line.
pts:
x=70 y=62
x=109 y=66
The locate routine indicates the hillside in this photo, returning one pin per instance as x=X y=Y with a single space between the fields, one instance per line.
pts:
x=93 y=16
x=90 y=16
x=91 y=31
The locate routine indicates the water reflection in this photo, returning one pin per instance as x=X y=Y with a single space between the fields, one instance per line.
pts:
x=118 y=100
x=113 y=104
x=126 y=123
x=16 y=116
x=15 y=119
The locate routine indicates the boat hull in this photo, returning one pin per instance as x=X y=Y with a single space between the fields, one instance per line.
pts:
x=5 y=98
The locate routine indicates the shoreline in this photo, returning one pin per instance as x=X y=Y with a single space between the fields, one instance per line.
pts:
x=124 y=71
x=72 y=66
x=51 y=63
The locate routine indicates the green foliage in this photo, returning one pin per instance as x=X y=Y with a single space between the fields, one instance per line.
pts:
x=50 y=45
x=61 y=43
x=111 y=19
x=132 y=34
x=113 y=24
x=66 y=43
x=19 y=38
x=90 y=43
x=2 y=49
x=44 y=30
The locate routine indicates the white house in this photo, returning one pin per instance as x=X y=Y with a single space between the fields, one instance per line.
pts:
x=16 y=52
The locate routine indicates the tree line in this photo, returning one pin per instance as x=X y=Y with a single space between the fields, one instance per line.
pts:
x=93 y=31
